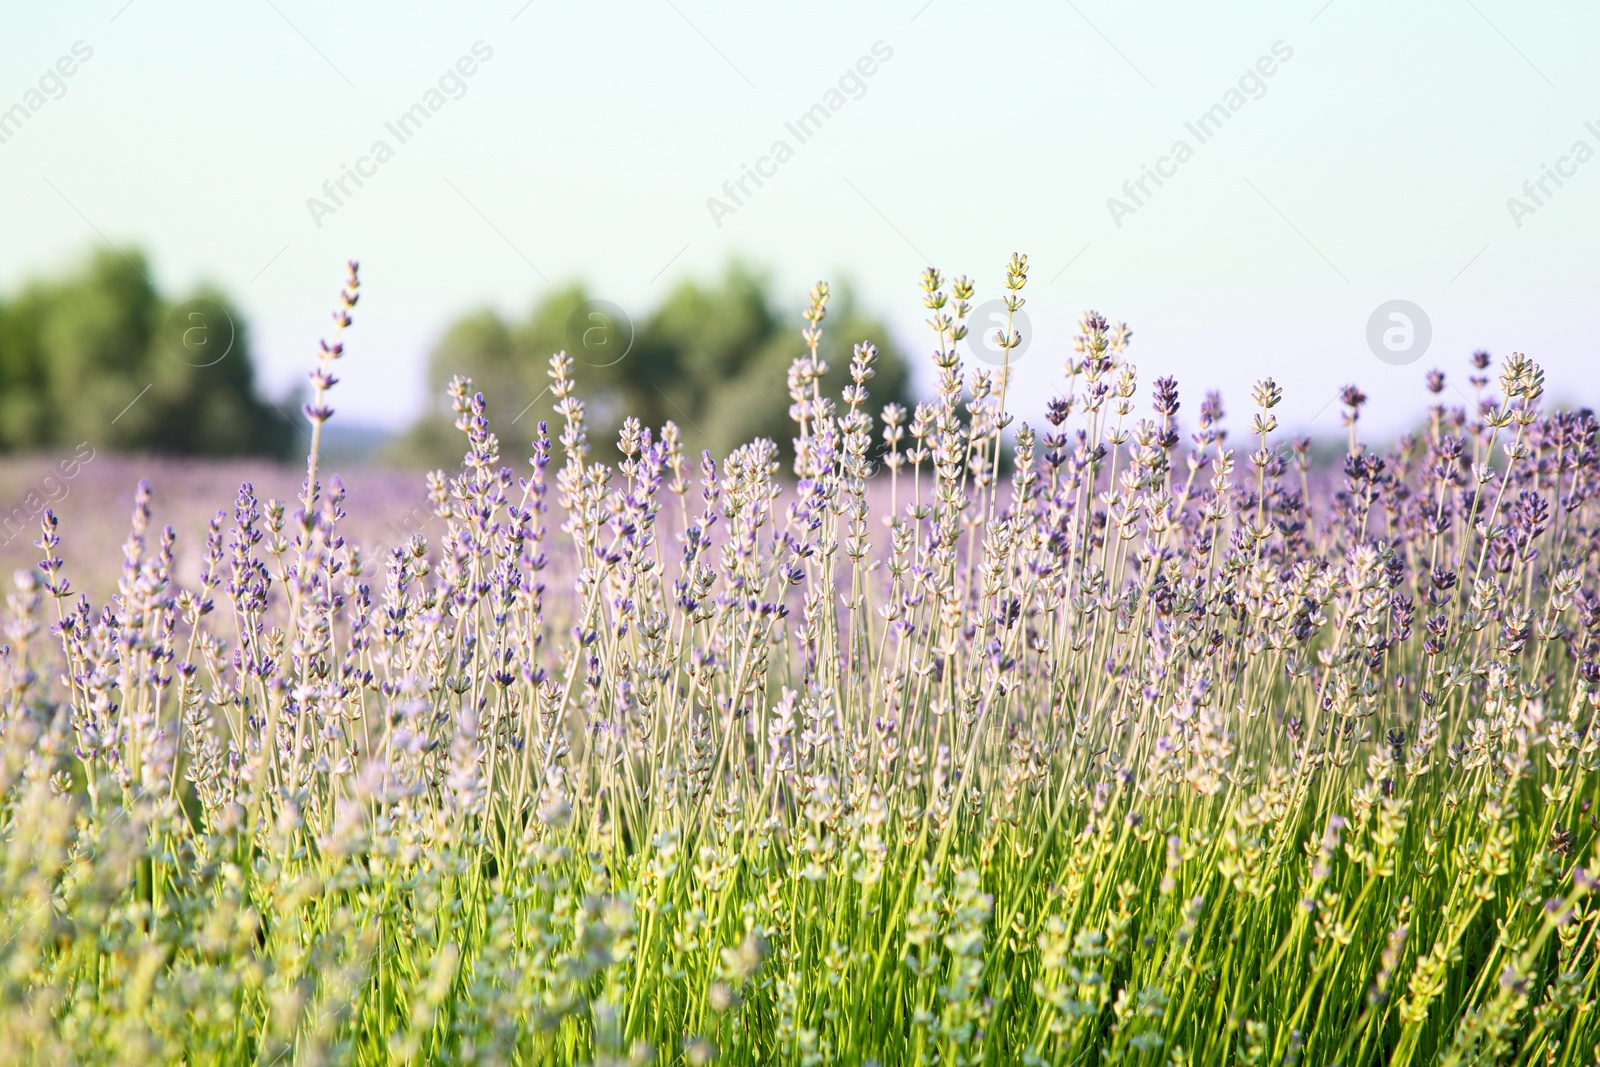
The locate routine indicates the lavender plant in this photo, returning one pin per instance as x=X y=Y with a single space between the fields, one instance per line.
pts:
x=966 y=744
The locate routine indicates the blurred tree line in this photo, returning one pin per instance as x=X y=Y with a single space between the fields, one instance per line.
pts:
x=76 y=351
x=713 y=358
x=98 y=355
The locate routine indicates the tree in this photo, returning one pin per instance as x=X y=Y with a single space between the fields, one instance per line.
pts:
x=100 y=356
x=713 y=358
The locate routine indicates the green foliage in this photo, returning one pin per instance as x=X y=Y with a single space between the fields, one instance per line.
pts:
x=91 y=357
x=707 y=359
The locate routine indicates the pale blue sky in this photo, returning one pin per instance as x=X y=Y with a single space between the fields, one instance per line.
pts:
x=1375 y=165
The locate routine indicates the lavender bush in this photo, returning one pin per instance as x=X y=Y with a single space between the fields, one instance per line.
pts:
x=967 y=744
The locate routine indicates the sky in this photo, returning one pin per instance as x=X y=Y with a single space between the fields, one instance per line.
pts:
x=1357 y=153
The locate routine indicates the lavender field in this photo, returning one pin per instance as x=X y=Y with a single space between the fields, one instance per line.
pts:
x=386 y=506
x=1134 y=737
